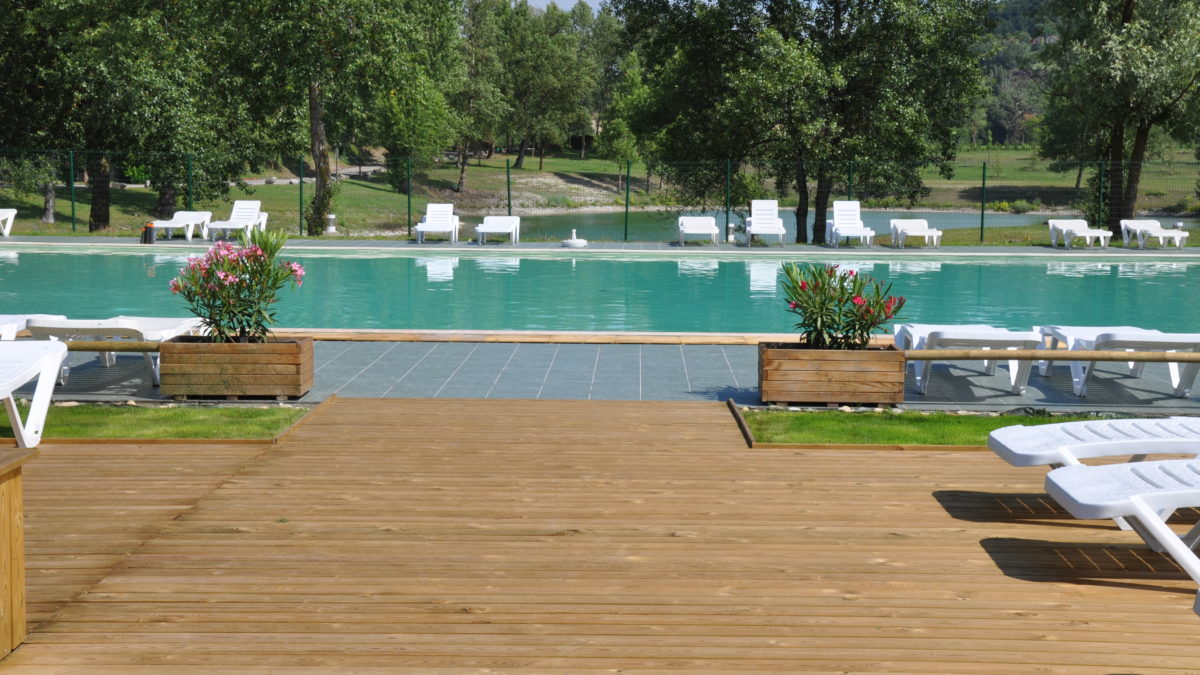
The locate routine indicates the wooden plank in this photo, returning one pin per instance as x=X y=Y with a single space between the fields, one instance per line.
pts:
x=567 y=536
x=892 y=375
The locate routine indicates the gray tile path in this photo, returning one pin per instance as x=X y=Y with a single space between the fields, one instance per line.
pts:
x=629 y=372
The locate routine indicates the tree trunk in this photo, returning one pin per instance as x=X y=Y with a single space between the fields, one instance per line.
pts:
x=1116 y=176
x=462 y=167
x=98 y=185
x=1079 y=176
x=802 y=206
x=167 y=196
x=821 y=207
x=541 y=154
x=1133 y=171
x=48 y=198
x=322 y=197
x=520 y=162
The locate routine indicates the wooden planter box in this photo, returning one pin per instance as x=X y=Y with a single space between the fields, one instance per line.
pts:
x=188 y=366
x=790 y=375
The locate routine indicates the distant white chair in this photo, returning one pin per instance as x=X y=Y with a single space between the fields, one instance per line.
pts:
x=698 y=226
x=21 y=362
x=188 y=221
x=764 y=220
x=440 y=219
x=7 y=216
x=1068 y=229
x=136 y=328
x=977 y=337
x=847 y=223
x=902 y=229
x=244 y=216
x=506 y=225
x=1144 y=229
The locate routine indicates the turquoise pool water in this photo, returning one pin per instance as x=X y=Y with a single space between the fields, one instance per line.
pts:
x=599 y=292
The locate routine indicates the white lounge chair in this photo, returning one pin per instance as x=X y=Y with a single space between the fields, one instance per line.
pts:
x=7 y=216
x=1144 y=229
x=978 y=338
x=902 y=229
x=764 y=220
x=507 y=225
x=1139 y=339
x=1066 y=443
x=188 y=221
x=847 y=223
x=136 y=328
x=909 y=335
x=11 y=324
x=1084 y=337
x=21 y=362
x=243 y=217
x=698 y=226
x=1144 y=494
x=439 y=218
x=1068 y=229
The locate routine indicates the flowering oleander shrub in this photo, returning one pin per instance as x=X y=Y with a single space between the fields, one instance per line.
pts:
x=233 y=287
x=838 y=309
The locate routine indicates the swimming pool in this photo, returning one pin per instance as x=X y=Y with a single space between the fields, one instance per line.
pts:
x=599 y=292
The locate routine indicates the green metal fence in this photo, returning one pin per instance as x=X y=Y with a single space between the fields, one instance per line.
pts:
x=600 y=199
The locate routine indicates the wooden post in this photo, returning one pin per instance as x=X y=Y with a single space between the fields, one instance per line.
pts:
x=12 y=550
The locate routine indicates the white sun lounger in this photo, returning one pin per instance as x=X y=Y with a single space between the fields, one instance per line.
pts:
x=698 y=226
x=847 y=223
x=188 y=221
x=11 y=324
x=1183 y=376
x=1144 y=494
x=439 y=218
x=978 y=338
x=7 y=216
x=507 y=225
x=764 y=220
x=243 y=217
x=1066 y=443
x=1069 y=229
x=21 y=362
x=902 y=229
x=136 y=328
x=1083 y=337
x=908 y=335
x=1144 y=229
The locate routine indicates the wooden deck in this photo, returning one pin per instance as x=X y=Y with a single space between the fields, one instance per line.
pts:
x=563 y=537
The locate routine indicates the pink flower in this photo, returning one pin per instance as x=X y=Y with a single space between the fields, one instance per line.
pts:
x=175 y=288
x=850 y=273
x=792 y=305
x=804 y=285
x=858 y=300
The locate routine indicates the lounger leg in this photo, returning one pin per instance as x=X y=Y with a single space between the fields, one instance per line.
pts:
x=923 y=370
x=1045 y=367
x=1080 y=371
x=1183 y=378
x=1149 y=522
x=1018 y=375
x=29 y=433
x=151 y=366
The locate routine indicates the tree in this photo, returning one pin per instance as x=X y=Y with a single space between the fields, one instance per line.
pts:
x=1120 y=70
x=808 y=87
x=476 y=97
x=334 y=55
x=544 y=75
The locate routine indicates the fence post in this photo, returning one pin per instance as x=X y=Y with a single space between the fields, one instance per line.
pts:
x=408 y=171
x=71 y=182
x=301 y=162
x=628 y=171
x=508 y=182
x=982 y=201
x=189 y=180
x=850 y=179
x=728 y=180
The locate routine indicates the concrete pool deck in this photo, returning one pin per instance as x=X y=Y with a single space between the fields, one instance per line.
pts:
x=629 y=372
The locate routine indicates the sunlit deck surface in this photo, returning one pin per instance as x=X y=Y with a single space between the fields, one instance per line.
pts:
x=569 y=536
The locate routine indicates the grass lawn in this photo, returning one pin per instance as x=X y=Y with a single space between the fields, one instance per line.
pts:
x=107 y=421
x=882 y=428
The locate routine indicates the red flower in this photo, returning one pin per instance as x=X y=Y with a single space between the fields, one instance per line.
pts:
x=858 y=300
x=803 y=286
x=792 y=305
x=850 y=273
